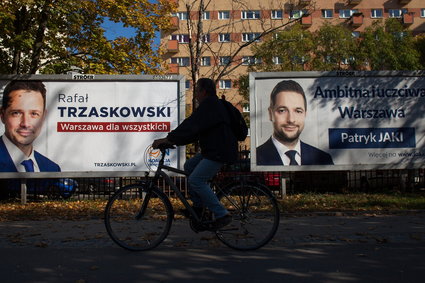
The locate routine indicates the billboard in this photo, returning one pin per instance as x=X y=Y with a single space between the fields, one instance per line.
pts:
x=101 y=123
x=347 y=121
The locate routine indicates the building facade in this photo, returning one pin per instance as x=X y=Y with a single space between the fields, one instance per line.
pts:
x=226 y=30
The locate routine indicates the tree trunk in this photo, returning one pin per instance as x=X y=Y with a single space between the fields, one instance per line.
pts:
x=19 y=25
x=38 y=43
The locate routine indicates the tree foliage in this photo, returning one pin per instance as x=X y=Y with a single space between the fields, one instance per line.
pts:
x=389 y=46
x=291 y=48
x=420 y=46
x=53 y=36
x=382 y=46
x=335 y=48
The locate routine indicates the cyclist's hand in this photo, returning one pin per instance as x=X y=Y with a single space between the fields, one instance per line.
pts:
x=157 y=143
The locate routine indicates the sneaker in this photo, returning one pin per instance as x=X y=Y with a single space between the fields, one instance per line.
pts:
x=221 y=222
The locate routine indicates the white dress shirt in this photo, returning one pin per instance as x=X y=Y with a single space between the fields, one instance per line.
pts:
x=282 y=149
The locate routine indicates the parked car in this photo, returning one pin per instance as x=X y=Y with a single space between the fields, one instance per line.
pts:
x=64 y=187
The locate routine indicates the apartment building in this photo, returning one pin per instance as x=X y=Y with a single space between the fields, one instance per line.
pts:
x=229 y=25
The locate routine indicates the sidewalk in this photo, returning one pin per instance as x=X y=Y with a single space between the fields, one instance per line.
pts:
x=293 y=229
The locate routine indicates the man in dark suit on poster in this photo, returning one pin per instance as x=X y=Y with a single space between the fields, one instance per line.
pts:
x=23 y=112
x=287 y=112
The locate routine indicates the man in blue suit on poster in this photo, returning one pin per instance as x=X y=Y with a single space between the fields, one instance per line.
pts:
x=23 y=112
x=287 y=112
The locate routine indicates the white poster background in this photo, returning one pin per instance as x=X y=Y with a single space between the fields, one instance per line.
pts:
x=325 y=113
x=112 y=150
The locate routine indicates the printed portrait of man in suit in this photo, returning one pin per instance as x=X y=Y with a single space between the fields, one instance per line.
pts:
x=23 y=112
x=287 y=112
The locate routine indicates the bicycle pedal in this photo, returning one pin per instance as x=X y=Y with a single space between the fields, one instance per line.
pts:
x=197 y=226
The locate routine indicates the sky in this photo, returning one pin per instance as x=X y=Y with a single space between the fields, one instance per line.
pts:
x=114 y=30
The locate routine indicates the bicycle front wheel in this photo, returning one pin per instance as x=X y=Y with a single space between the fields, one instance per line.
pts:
x=138 y=218
x=255 y=214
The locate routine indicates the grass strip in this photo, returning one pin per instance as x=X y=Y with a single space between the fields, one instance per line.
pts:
x=297 y=203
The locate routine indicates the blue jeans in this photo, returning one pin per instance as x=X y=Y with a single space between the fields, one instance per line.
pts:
x=201 y=171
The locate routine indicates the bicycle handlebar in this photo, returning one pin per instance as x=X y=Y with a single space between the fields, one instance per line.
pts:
x=164 y=146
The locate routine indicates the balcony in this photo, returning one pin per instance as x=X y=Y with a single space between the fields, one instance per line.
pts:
x=407 y=19
x=172 y=46
x=173 y=69
x=306 y=21
x=404 y=1
x=174 y=23
x=356 y=19
x=354 y=2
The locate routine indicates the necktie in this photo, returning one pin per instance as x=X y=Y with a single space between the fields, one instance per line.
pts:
x=291 y=154
x=29 y=165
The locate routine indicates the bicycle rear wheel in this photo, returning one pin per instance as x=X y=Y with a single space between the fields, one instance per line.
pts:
x=138 y=219
x=255 y=214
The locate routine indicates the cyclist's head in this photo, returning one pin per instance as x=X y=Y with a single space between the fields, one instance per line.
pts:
x=207 y=85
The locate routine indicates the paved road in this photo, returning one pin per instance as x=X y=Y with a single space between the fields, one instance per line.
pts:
x=309 y=248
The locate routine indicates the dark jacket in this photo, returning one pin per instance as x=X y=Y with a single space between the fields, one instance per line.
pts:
x=208 y=124
x=267 y=154
x=7 y=165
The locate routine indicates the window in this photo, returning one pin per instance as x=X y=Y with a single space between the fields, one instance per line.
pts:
x=206 y=61
x=250 y=60
x=400 y=35
x=327 y=13
x=223 y=15
x=346 y=13
x=187 y=84
x=348 y=61
x=206 y=15
x=298 y=59
x=377 y=13
x=225 y=84
x=277 y=14
x=245 y=108
x=207 y=37
x=181 y=38
x=396 y=13
x=355 y=34
x=224 y=37
x=224 y=60
x=181 y=15
x=330 y=59
x=246 y=37
x=277 y=60
x=181 y=61
x=296 y=14
x=423 y=13
x=250 y=15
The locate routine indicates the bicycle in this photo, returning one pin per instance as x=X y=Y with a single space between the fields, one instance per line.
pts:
x=138 y=216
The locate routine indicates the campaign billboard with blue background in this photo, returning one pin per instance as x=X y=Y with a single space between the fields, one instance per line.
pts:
x=363 y=120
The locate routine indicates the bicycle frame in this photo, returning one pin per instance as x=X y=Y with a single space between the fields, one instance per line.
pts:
x=160 y=173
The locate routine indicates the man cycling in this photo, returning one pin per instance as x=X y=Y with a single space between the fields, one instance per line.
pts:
x=209 y=125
